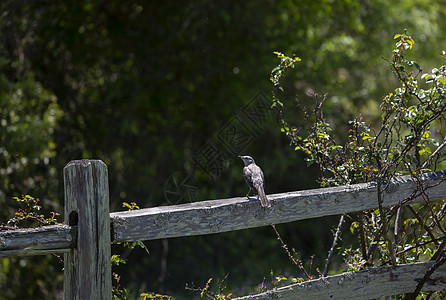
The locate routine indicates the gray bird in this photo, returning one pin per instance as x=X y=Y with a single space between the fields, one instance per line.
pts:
x=254 y=178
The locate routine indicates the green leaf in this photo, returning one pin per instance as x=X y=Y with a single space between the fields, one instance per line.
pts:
x=275 y=69
x=353 y=226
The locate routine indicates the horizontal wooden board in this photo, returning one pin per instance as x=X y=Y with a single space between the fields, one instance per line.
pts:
x=372 y=283
x=223 y=215
x=37 y=241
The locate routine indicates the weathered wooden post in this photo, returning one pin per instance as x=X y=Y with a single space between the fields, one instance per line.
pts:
x=87 y=269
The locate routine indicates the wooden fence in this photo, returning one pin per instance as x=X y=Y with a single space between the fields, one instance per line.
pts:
x=90 y=228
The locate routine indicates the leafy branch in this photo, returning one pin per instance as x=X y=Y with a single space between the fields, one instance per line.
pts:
x=119 y=292
x=30 y=215
x=206 y=290
x=409 y=140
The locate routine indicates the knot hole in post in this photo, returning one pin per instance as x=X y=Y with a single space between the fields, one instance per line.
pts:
x=73 y=218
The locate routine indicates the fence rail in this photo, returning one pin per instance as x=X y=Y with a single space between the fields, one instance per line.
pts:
x=367 y=284
x=37 y=241
x=214 y=216
x=90 y=228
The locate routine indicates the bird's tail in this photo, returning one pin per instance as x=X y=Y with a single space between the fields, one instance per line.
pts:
x=263 y=200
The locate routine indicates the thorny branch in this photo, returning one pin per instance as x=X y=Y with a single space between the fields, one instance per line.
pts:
x=333 y=246
x=414 y=294
x=412 y=122
x=297 y=262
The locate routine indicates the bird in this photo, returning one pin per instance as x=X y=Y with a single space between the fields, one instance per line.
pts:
x=254 y=178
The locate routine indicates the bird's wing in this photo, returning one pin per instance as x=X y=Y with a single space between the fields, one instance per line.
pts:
x=256 y=175
x=247 y=175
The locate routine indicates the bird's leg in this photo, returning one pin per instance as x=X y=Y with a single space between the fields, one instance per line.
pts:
x=247 y=195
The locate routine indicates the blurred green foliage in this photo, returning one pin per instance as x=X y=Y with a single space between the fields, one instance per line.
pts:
x=144 y=85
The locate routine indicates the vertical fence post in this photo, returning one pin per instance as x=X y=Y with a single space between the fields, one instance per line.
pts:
x=87 y=269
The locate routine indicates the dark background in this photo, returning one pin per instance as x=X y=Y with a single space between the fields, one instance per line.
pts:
x=145 y=86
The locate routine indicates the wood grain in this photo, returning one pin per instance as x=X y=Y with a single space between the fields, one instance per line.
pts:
x=87 y=268
x=222 y=215
x=37 y=241
x=367 y=284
